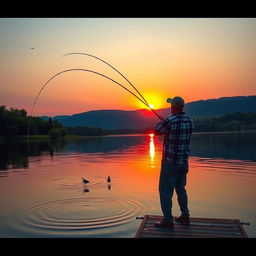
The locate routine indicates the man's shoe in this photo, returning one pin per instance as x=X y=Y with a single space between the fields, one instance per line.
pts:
x=183 y=220
x=164 y=224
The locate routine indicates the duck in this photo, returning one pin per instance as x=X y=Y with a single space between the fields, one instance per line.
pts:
x=85 y=181
x=108 y=179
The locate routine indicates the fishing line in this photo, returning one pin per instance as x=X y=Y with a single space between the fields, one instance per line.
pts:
x=85 y=70
x=93 y=56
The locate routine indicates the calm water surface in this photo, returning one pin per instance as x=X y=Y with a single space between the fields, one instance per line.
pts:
x=42 y=194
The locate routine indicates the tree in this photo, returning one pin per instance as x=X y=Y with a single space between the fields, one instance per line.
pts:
x=54 y=134
x=57 y=133
x=15 y=122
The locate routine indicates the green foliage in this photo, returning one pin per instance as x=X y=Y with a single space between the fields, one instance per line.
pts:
x=56 y=133
x=229 y=122
x=15 y=122
x=63 y=131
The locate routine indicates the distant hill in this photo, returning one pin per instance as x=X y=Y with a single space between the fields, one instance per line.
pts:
x=140 y=119
x=111 y=119
x=224 y=105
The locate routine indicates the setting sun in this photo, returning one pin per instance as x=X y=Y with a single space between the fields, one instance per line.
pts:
x=155 y=101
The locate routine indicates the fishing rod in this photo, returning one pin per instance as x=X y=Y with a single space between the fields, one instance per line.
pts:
x=85 y=70
x=93 y=56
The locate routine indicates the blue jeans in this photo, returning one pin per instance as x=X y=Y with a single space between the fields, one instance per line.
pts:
x=173 y=177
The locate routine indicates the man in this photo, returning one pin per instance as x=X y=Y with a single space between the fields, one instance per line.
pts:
x=177 y=130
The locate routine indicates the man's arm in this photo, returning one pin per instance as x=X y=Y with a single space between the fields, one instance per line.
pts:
x=162 y=127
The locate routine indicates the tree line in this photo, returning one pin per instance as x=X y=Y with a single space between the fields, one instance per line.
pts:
x=15 y=122
x=229 y=122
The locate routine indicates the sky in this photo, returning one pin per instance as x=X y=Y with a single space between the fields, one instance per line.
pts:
x=195 y=58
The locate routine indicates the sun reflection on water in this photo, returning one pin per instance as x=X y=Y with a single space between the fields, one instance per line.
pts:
x=152 y=150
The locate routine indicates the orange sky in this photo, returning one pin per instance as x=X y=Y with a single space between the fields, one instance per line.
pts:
x=196 y=58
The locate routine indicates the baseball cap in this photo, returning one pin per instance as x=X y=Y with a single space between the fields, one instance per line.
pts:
x=176 y=101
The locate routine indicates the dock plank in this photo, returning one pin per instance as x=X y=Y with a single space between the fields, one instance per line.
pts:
x=199 y=228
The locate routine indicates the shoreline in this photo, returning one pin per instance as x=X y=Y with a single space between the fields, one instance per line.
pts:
x=73 y=137
x=219 y=132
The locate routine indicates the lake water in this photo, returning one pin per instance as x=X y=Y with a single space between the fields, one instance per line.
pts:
x=42 y=194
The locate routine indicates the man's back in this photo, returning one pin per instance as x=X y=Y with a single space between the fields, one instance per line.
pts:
x=177 y=130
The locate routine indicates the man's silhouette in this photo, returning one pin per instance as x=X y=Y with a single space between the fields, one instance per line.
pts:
x=177 y=130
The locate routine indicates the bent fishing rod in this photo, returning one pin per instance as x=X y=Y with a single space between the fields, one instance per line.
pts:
x=85 y=70
x=93 y=56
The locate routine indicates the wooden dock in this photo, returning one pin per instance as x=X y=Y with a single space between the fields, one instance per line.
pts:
x=199 y=228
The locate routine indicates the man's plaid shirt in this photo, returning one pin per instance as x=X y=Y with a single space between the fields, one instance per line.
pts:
x=177 y=130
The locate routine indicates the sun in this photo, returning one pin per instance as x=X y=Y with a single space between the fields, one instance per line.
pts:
x=154 y=101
